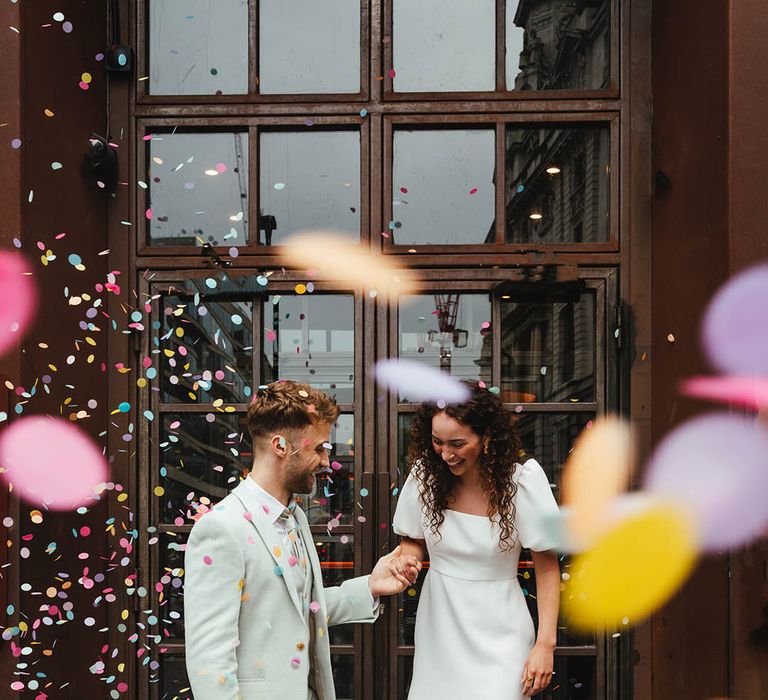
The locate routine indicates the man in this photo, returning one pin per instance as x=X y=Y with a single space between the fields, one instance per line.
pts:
x=255 y=610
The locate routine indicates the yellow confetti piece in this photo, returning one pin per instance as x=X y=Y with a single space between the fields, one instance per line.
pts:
x=217 y=403
x=179 y=332
x=632 y=570
x=300 y=288
x=159 y=490
x=48 y=113
x=124 y=615
x=278 y=552
x=168 y=353
x=141 y=382
x=122 y=497
x=90 y=340
x=192 y=395
x=86 y=78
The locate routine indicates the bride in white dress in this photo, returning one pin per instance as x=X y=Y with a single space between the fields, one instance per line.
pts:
x=471 y=507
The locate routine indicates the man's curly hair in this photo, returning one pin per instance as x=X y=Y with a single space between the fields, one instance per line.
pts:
x=485 y=414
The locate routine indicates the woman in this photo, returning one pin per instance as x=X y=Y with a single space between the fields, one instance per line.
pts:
x=470 y=506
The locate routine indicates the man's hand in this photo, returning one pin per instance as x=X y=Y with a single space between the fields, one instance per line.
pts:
x=393 y=573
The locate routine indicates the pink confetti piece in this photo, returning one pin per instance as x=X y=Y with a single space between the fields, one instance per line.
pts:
x=51 y=461
x=743 y=391
x=473 y=190
x=19 y=299
x=207 y=560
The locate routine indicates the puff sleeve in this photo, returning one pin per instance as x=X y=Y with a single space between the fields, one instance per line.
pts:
x=409 y=517
x=534 y=505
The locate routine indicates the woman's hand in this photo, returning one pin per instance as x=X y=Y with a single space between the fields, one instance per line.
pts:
x=405 y=568
x=537 y=671
x=393 y=573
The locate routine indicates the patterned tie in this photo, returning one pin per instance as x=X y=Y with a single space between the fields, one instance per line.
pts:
x=294 y=537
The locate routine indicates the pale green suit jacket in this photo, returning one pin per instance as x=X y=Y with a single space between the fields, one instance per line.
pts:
x=246 y=635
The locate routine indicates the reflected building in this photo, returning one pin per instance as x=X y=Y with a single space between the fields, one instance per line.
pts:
x=566 y=44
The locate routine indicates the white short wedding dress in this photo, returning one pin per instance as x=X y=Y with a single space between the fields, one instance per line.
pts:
x=473 y=629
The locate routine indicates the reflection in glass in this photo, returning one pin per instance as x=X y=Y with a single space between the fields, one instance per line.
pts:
x=443 y=186
x=548 y=438
x=548 y=351
x=309 y=180
x=174 y=682
x=172 y=579
x=309 y=47
x=335 y=493
x=200 y=457
x=198 y=47
x=404 y=675
x=444 y=45
x=558 y=46
x=451 y=332
x=311 y=339
x=206 y=350
x=343 y=674
x=558 y=184
x=198 y=189
x=337 y=560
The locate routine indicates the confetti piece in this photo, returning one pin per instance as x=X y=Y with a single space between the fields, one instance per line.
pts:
x=207 y=560
x=50 y=461
x=596 y=473
x=743 y=391
x=329 y=254
x=420 y=381
x=734 y=329
x=631 y=571
x=19 y=297
x=715 y=464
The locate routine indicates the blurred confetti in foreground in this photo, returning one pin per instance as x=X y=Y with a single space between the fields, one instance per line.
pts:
x=705 y=483
x=51 y=462
x=596 y=473
x=19 y=299
x=422 y=382
x=329 y=255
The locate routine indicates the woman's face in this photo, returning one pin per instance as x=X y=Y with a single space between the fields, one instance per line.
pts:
x=456 y=443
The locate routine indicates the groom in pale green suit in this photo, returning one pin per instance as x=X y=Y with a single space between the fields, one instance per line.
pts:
x=256 y=613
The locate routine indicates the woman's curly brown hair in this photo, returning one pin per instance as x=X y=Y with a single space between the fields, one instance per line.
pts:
x=485 y=414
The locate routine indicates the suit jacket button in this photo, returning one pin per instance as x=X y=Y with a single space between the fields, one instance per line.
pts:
x=300 y=646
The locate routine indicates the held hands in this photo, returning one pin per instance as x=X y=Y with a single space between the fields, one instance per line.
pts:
x=537 y=671
x=393 y=573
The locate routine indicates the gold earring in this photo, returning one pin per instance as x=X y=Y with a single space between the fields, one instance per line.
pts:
x=485 y=448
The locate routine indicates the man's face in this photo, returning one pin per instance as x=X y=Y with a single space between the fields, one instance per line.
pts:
x=307 y=457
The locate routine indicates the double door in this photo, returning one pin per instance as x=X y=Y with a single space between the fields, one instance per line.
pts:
x=546 y=341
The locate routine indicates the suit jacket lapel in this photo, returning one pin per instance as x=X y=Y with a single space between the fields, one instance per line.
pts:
x=266 y=529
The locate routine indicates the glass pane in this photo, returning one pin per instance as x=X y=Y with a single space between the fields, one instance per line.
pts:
x=407 y=604
x=337 y=560
x=198 y=189
x=549 y=438
x=444 y=45
x=343 y=675
x=174 y=682
x=335 y=496
x=558 y=185
x=310 y=339
x=548 y=351
x=198 y=47
x=404 y=675
x=575 y=678
x=206 y=351
x=309 y=47
x=446 y=331
x=558 y=46
x=443 y=185
x=172 y=580
x=309 y=181
x=199 y=457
